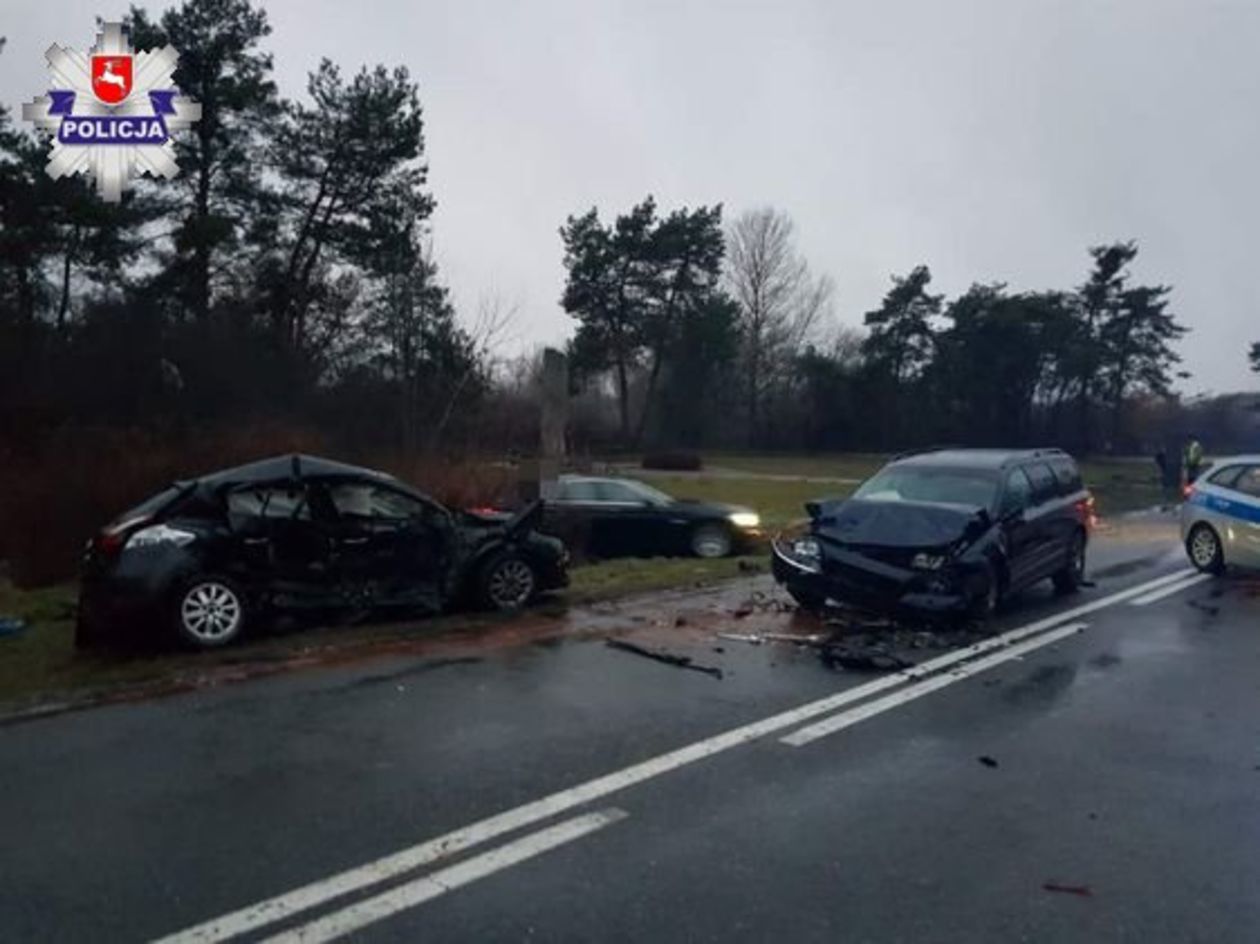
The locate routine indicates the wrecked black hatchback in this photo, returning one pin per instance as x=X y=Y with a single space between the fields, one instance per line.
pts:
x=202 y=561
x=943 y=534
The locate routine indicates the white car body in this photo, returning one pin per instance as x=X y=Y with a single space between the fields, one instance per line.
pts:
x=1226 y=498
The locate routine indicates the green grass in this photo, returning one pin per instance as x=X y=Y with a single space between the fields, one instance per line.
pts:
x=850 y=465
x=615 y=578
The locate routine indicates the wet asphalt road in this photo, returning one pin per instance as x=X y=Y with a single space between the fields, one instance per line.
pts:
x=1124 y=771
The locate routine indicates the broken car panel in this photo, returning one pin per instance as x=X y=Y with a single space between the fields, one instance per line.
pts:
x=942 y=534
x=203 y=559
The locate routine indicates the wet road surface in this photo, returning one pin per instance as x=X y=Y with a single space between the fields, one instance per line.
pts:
x=1094 y=774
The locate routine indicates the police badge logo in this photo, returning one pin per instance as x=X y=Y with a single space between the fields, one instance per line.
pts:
x=111 y=112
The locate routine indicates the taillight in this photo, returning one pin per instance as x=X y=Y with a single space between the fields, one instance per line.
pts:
x=114 y=537
x=1088 y=508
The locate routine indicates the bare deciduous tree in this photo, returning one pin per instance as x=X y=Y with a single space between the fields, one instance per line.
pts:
x=782 y=304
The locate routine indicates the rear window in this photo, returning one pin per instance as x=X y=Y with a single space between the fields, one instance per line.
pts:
x=1044 y=484
x=1228 y=476
x=1068 y=475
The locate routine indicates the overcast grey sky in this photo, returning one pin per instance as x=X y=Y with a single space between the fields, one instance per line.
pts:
x=990 y=140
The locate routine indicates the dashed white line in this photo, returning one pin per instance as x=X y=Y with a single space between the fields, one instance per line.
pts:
x=846 y=719
x=1157 y=595
x=325 y=890
x=361 y=914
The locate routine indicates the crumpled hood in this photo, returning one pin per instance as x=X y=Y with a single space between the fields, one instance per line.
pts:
x=902 y=524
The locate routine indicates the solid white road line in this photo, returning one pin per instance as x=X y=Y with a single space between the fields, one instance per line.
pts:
x=846 y=719
x=361 y=914
x=324 y=890
x=1156 y=596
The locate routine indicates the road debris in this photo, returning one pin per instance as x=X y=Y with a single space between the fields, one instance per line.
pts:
x=863 y=656
x=668 y=658
x=987 y=760
x=1081 y=891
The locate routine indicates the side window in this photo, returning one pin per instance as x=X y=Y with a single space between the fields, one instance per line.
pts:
x=269 y=501
x=1017 y=494
x=1044 y=486
x=616 y=492
x=1068 y=476
x=363 y=500
x=1228 y=477
x=577 y=491
x=1249 y=482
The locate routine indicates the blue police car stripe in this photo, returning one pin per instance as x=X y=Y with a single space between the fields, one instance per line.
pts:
x=1243 y=511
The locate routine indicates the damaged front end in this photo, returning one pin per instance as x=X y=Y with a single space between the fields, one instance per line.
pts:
x=900 y=559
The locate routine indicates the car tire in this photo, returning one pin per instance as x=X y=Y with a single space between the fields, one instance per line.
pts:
x=990 y=600
x=809 y=602
x=507 y=582
x=1203 y=545
x=1070 y=578
x=711 y=541
x=210 y=612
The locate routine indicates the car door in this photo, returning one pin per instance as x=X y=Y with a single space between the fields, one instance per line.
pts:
x=1018 y=528
x=630 y=520
x=281 y=549
x=394 y=547
x=1047 y=538
x=1245 y=515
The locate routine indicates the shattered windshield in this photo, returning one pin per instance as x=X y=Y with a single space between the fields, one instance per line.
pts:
x=945 y=486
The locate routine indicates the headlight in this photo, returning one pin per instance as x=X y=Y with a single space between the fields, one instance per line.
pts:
x=745 y=519
x=159 y=534
x=928 y=561
x=806 y=549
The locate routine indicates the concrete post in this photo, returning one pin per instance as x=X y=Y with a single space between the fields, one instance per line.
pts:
x=555 y=420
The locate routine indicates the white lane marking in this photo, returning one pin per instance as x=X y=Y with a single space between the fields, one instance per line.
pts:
x=321 y=891
x=359 y=915
x=1156 y=596
x=846 y=719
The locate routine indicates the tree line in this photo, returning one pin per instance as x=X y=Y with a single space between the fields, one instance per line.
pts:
x=724 y=336
x=288 y=275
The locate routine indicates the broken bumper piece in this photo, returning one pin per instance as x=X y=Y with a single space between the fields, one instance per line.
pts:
x=859 y=581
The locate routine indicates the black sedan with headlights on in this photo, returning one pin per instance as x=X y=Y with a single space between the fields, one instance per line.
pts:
x=203 y=560
x=943 y=534
x=612 y=517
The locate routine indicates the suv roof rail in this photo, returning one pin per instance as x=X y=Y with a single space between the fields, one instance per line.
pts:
x=1049 y=451
x=923 y=451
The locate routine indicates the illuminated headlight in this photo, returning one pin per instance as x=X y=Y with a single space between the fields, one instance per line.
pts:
x=157 y=534
x=928 y=561
x=745 y=519
x=806 y=549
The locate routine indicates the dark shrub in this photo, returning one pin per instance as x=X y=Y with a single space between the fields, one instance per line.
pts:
x=674 y=461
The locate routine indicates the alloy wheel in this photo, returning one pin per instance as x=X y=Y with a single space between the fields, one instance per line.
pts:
x=1204 y=548
x=511 y=584
x=211 y=612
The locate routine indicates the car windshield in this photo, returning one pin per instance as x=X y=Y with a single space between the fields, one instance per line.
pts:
x=968 y=487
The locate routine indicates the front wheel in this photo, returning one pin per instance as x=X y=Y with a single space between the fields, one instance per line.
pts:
x=711 y=540
x=809 y=602
x=1204 y=547
x=209 y=613
x=508 y=582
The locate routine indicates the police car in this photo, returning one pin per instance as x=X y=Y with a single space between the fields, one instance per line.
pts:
x=1220 y=521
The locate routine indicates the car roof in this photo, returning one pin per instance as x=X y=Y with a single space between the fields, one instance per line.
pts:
x=1249 y=459
x=994 y=459
x=292 y=466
